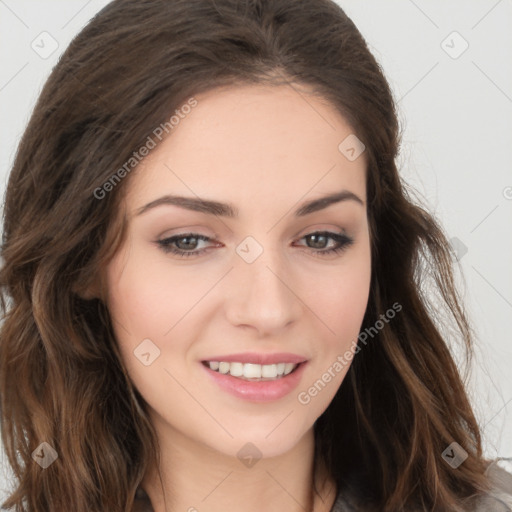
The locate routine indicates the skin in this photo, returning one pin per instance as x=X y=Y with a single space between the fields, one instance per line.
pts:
x=266 y=150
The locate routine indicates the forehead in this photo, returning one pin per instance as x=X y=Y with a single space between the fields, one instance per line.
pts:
x=252 y=142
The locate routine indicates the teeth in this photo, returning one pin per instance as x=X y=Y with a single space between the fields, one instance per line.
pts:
x=288 y=367
x=223 y=367
x=236 y=369
x=253 y=371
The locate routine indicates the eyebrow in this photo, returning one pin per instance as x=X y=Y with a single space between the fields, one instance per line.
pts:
x=228 y=210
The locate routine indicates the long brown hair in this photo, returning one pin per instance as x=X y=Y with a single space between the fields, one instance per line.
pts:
x=403 y=401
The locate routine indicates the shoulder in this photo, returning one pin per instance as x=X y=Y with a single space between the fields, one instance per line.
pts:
x=499 y=498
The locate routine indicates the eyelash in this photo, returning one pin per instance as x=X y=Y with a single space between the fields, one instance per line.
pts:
x=342 y=239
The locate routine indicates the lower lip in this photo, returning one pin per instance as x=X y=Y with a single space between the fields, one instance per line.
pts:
x=258 y=391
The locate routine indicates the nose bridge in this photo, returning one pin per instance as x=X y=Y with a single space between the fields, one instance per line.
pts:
x=263 y=296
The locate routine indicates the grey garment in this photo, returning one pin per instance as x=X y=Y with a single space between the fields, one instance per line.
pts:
x=499 y=499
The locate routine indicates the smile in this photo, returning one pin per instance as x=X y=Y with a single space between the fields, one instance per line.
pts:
x=276 y=380
x=250 y=371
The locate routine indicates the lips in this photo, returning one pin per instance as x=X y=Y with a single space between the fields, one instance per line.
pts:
x=257 y=389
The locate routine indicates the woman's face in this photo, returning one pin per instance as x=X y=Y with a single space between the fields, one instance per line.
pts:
x=261 y=287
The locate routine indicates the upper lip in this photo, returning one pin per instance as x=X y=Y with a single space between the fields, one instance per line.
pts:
x=255 y=358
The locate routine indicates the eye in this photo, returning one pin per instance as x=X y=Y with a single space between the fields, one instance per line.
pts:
x=185 y=244
x=191 y=240
x=321 y=238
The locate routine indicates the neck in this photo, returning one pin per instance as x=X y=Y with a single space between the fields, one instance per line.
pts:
x=193 y=477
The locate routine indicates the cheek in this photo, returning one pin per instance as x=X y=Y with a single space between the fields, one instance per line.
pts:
x=145 y=301
x=147 y=296
x=341 y=297
x=340 y=304
x=152 y=299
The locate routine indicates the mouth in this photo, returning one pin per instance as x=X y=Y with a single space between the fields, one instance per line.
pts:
x=255 y=382
x=252 y=372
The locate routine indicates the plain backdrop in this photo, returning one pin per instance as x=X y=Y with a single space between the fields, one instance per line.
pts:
x=449 y=64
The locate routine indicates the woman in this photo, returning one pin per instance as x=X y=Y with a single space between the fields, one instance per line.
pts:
x=213 y=278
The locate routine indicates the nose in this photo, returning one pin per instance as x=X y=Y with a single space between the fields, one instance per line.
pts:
x=263 y=294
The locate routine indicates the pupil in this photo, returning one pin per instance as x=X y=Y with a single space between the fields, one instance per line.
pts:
x=187 y=241
x=318 y=237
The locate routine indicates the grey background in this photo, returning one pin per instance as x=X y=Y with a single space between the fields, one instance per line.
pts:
x=456 y=112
